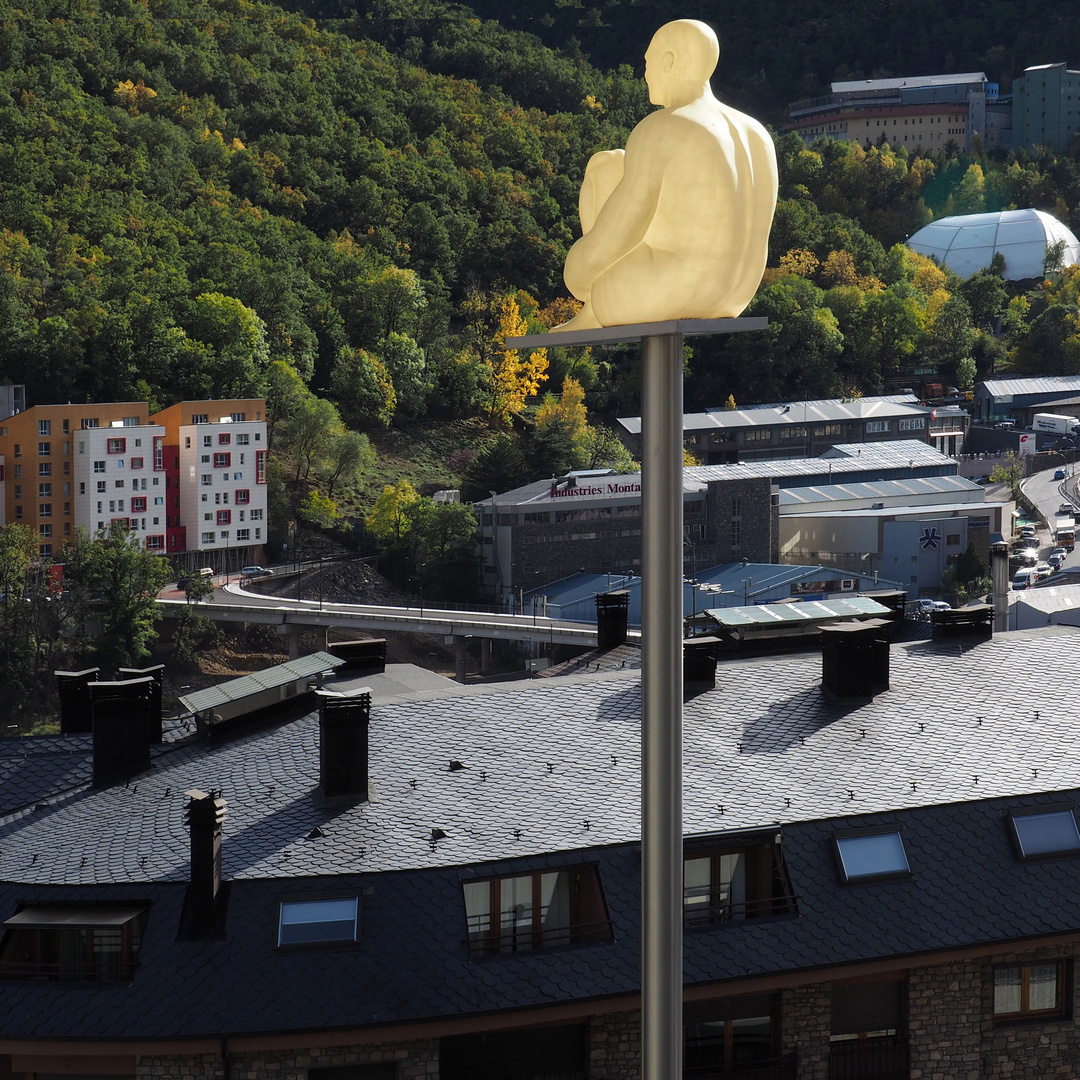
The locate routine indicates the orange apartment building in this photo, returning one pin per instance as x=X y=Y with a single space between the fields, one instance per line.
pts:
x=191 y=478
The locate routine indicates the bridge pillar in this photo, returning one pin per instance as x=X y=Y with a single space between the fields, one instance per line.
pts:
x=485 y=656
x=293 y=637
x=459 y=657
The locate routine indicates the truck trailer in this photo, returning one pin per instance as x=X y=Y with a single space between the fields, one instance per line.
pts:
x=1055 y=424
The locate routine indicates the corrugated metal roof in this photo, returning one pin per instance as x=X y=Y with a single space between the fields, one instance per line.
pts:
x=908 y=82
x=795 y=412
x=279 y=675
x=880 y=489
x=804 y=611
x=1049 y=384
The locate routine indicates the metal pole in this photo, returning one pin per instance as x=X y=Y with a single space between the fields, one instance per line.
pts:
x=661 y=720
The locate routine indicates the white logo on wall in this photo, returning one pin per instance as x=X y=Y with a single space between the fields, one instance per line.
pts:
x=930 y=539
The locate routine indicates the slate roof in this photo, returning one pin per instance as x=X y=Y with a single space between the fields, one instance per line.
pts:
x=964 y=732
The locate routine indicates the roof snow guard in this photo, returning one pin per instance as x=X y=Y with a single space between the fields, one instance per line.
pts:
x=967 y=244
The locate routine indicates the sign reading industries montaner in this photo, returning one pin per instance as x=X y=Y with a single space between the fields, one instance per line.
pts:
x=565 y=491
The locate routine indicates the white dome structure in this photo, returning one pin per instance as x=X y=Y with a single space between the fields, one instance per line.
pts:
x=968 y=243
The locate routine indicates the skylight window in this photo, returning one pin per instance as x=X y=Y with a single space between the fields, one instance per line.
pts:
x=869 y=856
x=307 y=922
x=1049 y=833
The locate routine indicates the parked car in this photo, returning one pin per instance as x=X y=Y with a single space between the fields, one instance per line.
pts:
x=1027 y=530
x=984 y=480
x=924 y=608
x=1025 y=577
x=1066 y=508
x=1055 y=561
x=256 y=571
x=1059 y=551
x=1060 y=474
x=1031 y=542
x=1044 y=570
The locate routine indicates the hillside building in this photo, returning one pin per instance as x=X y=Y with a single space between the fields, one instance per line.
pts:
x=925 y=112
x=448 y=887
x=809 y=428
x=1046 y=106
x=191 y=478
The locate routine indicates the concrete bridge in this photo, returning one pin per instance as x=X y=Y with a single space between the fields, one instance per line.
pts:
x=292 y=616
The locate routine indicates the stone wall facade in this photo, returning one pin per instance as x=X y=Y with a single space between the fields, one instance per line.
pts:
x=948 y=1021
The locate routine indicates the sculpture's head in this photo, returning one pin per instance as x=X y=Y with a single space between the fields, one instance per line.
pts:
x=679 y=60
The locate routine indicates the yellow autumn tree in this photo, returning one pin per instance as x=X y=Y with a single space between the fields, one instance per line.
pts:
x=511 y=378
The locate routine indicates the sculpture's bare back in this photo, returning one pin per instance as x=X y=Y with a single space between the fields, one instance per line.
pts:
x=678 y=226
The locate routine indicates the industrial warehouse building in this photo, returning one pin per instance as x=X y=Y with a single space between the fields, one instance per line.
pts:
x=592 y=520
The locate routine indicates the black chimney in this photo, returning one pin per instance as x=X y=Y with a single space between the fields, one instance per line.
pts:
x=120 y=712
x=855 y=659
x=611 y=611
x=157 y=673
x=205 y=815
x=75 y=700
x=343 y=746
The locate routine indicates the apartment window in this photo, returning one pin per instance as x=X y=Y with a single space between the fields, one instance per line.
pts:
x=255 y=515
x=44 y=468
x=224 y=438
x=131 y=421
x=116 y=446
x=204 y=459
x=208 y=440
x=43 y=427
x=224 y=517
x=222 y=461
x=138 y=506
x=540 y=1053
x=260 y=466
x=89 y=422
x=224 y=534
x=44 y=550
x=534 y=911
x=1047 y=831
x=45 y=530
x=237 y=417
x=239 y=475
x=44 y=449
x=867 y=1036
x=730 y=1034
x=1030 y=991
x=101 y=485
x=200 y=418
x=44 y=491
x=17 y=450
x=159 y=500
x=99 y=466
x=243 y=495
x=18 y=513
x=243 y=534
x=243 y=439
x=45 y=510
x=308 y=922
x=207 y=538
x=118 y=483
x=734 y=883
x=872 y=855
x=159 y=453
x=136 y=462
x=72 y=941
x=207 y=479
x=208 y=516
x=155 y=543
x=876 y=427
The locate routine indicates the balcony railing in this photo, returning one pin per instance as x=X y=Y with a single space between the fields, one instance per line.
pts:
x=697 y=915
x=885 y=1058
x=494 y=943
x=777 y=1068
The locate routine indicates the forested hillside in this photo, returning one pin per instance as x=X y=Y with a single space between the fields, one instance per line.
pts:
x=776 y=52
x=348 y=212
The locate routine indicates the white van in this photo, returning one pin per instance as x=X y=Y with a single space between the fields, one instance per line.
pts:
x=1025 y=577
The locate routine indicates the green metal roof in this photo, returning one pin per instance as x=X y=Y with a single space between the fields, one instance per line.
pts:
x=798 y=612
x=280 y=675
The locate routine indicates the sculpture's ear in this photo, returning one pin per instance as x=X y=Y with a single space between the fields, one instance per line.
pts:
x=667 y=62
